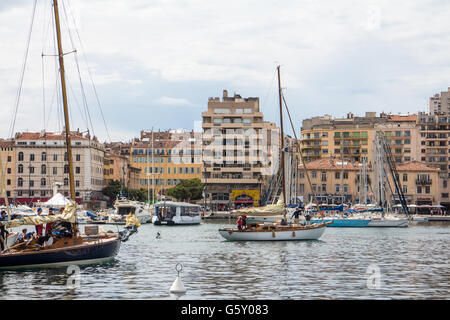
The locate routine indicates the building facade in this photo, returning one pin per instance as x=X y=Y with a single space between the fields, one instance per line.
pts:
x=333 y=180
x=7 y=154
x=439 y=103
x=240 y=152
x=166 y=158
x=41 y=161
x=352 y=138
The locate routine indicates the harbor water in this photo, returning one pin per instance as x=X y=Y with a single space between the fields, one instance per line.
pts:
x=346 y=263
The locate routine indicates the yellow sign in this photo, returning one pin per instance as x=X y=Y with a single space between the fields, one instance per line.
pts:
x=253 y=194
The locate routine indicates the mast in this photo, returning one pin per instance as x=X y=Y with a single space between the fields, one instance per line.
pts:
x=282 y=141
x=66 y=110
x=153 y=172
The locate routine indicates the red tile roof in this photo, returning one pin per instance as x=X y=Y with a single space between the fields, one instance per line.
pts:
x=414 y=166
x=48 y=136
x=331 y=164
x=409 y=117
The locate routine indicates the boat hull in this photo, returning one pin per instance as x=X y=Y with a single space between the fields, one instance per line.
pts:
x=76 y=254
x=177 y=221
x=344 y=223
x=388 y=223
x=278 y=235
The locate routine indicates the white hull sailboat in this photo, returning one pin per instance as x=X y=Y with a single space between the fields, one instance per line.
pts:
x=275 y=231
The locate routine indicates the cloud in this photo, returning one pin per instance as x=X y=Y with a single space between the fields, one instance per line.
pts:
x=173 y=101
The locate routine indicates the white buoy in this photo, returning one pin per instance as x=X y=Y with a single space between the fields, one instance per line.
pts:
x=177 y=286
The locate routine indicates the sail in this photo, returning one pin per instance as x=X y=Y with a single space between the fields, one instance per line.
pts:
x=68 y=215
x=269 y=210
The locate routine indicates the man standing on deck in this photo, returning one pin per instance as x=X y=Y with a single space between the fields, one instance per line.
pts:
x=296 y=215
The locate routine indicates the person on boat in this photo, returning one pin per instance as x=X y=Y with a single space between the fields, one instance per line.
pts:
x=3 y=232
x=21 y=237
x=307 y=218
x=239 y=223
x=49 y=225
x=296 y=215
x=244 y=221
x=39 y=227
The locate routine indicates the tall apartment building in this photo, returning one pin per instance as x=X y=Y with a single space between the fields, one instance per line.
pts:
x=353 y=137
x=165 y=158
x=240 y=152
x=439 y=103
x=435 y=148
x=41 y=160
x=7 y=155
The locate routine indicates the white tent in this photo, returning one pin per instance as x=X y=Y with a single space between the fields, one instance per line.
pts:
x=58 y=200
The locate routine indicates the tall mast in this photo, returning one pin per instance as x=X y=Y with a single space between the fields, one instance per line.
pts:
x=64 y=94
x=282 y=140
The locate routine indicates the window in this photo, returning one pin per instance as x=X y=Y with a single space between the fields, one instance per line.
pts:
x=32 y=157
x=345 y=175
x=324 y=176
x=8 y=182
x=405 y=177
x=77 y=183
x=66 y=181
x=55 y=170
x=31 y=183
x=337 y=188
x=66 y=168
x=78 y=157
x=324 y=188
x=20 y=156
x=314 y=175
x=20 y=168
x=345 y=188
x=427 y=189
x=55 y=157
x=337 y=175
x=405 y=189
x=31 y=169
x=77 y=170
x=44 y=156
x=43 y=169
x=20 y=182
x=9 y=158
x=43 y=182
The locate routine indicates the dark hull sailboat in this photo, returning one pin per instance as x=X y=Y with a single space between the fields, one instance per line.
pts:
x=67 y=246
x=79 y=252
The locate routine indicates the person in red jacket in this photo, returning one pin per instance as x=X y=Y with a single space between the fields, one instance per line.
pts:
x=39 y=227
x=239 y=223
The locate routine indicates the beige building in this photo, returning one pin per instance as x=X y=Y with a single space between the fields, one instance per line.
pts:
x=333 y=180
x=353 y=137
x=7 y=155
x=435 y=149
x=41 y=161
x=166 y=158
x=240 y=152
x=439 y=103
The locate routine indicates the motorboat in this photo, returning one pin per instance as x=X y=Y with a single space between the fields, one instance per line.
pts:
x=123 y=207
x=176 y=213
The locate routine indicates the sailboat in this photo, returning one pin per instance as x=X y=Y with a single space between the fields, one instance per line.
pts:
x=275 y=231
x=69 y=246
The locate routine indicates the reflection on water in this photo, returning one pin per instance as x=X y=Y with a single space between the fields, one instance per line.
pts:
x=413 y=263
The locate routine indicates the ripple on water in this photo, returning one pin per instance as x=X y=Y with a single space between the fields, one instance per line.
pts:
x=413 y=264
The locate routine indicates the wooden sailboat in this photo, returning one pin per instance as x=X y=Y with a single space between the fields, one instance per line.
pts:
x=276 y=231
x=69 y=246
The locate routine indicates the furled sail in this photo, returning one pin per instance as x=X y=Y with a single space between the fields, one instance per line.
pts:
x=269 y=210
x=68 y=215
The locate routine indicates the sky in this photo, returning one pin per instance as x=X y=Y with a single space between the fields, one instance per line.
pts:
x=155 y=63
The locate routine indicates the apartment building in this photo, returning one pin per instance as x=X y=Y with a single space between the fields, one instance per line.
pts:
x=439 y=103
x=240 y=152
x=333 y=180
x=165 y=158
x=117 y=167
x=435 y=148
x=41 y=161
x=352 y=138
x=7 y=155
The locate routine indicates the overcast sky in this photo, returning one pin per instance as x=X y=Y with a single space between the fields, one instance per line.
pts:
x=154 y=63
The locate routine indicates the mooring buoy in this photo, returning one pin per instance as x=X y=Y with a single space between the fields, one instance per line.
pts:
x=177 y=286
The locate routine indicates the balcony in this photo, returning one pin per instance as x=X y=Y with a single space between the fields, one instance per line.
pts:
x=425 y=181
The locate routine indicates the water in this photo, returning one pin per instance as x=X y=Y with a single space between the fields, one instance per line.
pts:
x=413 y=264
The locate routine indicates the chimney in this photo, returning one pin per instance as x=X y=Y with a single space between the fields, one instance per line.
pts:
x=225 y=94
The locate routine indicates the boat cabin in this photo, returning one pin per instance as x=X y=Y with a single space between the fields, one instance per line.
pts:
x=169 y=212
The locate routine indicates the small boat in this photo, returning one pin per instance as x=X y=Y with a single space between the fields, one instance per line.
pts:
x=176 y=213
x=275 y=232
x=388 y=222
x=124 y=206
x=343 y=222
x=280 y=230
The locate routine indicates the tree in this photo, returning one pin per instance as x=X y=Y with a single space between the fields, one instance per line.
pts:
x=187 y=189
x=112 y=189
